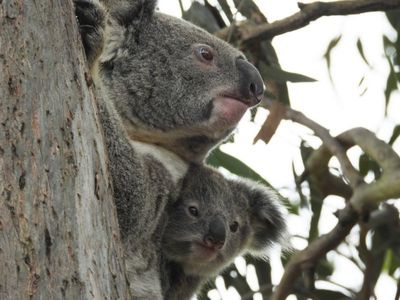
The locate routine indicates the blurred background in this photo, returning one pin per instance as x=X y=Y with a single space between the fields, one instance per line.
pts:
x=341 y=72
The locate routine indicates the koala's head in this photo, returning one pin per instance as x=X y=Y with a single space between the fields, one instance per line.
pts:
x=173 y=83
x=215 y=219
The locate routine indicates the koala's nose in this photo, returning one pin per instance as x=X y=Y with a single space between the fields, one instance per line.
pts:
x=215 y=237
x=251 y=85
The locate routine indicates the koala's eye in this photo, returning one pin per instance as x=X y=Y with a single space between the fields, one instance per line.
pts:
x=205 y=54
x=193 y=211
x=234 y=226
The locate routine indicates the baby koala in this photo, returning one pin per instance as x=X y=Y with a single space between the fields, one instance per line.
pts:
x=214 y=220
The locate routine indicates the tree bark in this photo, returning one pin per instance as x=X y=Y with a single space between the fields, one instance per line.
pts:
x=59 y=236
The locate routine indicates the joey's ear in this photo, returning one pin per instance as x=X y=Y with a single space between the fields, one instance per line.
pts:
x=134 y=12
x=267 y=216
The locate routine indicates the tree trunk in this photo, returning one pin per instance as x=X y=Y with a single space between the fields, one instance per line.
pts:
x=59 y=235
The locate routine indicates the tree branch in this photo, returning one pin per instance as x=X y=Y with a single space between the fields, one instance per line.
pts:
x=334 y=147
x=364 y=196
x=387 y=186
x=317 y=168
x=313 y=11
x=347 y=219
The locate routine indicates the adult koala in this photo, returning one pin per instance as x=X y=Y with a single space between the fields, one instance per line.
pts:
x=173 y=84
x=169 y=92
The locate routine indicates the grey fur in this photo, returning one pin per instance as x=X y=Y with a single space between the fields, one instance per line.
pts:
x=187 y=260
x=158 y=94
x=163 y=91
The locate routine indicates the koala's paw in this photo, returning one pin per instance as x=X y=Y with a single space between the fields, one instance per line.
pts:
x=91 y=18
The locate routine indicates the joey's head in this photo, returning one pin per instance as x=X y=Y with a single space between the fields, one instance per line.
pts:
x=215 y=219
x=173 y=83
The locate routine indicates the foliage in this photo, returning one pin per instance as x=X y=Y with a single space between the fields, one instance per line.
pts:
x=383 y=255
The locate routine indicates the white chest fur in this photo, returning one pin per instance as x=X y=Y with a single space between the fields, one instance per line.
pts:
x=172 y=162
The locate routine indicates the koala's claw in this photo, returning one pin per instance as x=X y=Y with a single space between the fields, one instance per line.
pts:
x=91 y=18
x=89 y=13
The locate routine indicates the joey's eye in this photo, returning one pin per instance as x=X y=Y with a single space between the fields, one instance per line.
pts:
x=205 y=54
x=193 y=211
x=234 y=226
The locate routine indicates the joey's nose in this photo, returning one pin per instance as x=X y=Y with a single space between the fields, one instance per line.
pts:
x=251 y=85
x=215 y=237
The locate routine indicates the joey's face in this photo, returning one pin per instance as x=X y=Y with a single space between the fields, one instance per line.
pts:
x=208 y=226
x=176 y=85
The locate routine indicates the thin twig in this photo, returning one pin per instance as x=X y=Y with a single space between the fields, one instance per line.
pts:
x=367 y=258
x=232 y=25
x=181 y=6
x=315 y=10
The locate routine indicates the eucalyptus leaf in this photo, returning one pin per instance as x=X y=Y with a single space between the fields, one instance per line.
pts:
x=304 y=202
x=330 y=295
x=332 y=44
x=395 y=135
x=391 y=84
x=361 y=51
x=391 y=262
x=279 y=75
x=217 y=158
x=366 y=164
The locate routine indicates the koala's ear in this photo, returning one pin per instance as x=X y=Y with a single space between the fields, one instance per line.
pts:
x=267 y=216
x=134 y=11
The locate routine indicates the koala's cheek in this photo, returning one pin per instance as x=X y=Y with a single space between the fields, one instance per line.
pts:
x=227 y=112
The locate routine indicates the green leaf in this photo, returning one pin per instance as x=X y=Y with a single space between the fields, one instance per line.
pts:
x=391 y=262
x=387 y=43
x=394 y=18
x=332 y=44
x=361 y=81
x=395 y=135
x=217 y=158
x=391 y=84
x=279 y=75
x=253 y=112
x=304 y=202
x=366 y=164
x=324 y=268
x=330 y=295
x=361 y=51
x=305 y=151
x=226 y=9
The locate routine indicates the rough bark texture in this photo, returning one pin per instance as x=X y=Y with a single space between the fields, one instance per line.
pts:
x=58 y=230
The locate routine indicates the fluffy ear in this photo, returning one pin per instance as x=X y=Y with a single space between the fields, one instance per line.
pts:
x=134 y=12
x=267 y=216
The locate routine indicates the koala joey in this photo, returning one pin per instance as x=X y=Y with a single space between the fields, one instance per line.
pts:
x=213 y=221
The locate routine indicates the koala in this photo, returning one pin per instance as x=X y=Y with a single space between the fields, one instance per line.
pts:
x=213 y=221
x=172 y=84
x=167 y=92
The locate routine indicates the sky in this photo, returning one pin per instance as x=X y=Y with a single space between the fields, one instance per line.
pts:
x=338 y=104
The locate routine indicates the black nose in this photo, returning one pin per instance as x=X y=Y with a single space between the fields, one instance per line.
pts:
x=251 y=85
x=216 y=235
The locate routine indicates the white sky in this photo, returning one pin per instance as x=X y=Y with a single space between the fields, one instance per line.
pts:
x=338 y=107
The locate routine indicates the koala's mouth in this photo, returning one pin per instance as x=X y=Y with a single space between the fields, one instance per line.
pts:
x=204 y=252
x=248 y=102
x=227 y=111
